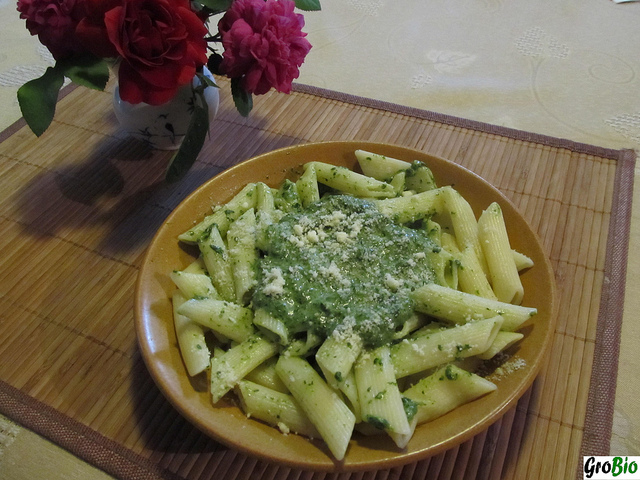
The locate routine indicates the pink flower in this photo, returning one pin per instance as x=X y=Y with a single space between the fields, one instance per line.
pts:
x=161 y=43
x=263 y=44
x=54 y=22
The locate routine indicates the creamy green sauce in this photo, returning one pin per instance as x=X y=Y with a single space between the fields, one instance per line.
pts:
x=340 y=265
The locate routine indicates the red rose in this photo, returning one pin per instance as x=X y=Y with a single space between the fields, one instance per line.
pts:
x=54 y=22
x=161 y=43
x=263 y=44
x=91 y=29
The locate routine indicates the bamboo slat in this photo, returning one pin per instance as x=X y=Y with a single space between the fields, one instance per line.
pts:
x=79 y=205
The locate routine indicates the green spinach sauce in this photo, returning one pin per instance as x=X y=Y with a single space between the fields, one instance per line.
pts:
x=341 y=265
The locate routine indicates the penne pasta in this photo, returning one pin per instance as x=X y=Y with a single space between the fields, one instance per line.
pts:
x=229 y=319
x=502 y=341
x=346 y=301
x=336 y=357
x=191 y=341
x=460 y=307
x=234 y=364
x=503 y=271
x=328 y=413
x=379 y=166
x=471 y=277
x=307 y=186
x=444 y=390
x=275 y=408
x=380 y=400
x=197 y=266
x=265 y=374
x=420 y=353
x=271 y=326
x=194 y=284
x=522 y=261
x=465 y=225
x=241 y=240
x=213 y=251
x=412 y=207
x=348 y=181
x=224 y=215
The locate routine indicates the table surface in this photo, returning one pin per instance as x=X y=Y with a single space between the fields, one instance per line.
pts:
x=568 y=70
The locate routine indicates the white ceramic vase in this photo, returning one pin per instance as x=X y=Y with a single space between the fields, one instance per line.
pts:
x=163 y=126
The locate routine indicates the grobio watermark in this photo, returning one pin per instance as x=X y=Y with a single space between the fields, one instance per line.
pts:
x=604 y=468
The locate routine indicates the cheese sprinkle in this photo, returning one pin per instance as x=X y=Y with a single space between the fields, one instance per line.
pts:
x=341 y=259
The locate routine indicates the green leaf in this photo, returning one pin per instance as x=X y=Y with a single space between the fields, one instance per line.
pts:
x=206 y=81
x=216 y=5
x=308 y=5
x=86 y=70
x=38 y=97
x=193 y=141
x=241 y=98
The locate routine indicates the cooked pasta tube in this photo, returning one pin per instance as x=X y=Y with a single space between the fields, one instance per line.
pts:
x=398 y=182
x=264 y=199
x=229 y=319
x=379 y=166
x=445 y=267
x=223 y=215
x=460 y=307
x=380 y=400
x=505 y=278
x=241 y=240
x=336 y=356
x=278 y=409
x=414 y=322
x=287 y=197
x=522 y=261
x=348 y=181
x=234 y=364
x=471 y=276
x=305 y=345
x=419 y=353
x=271 y=326
x=416 y=175
x=463 y=220
x=412 y=207
x=308 y=186
x=265 y=374
x=328 y=413
x=266 y=213
x=193 y=347
x=446 y=389
x=419 y=178
x=502 y=341
x=350 y=390
x=194 y=284
x=197 y=266
x=213 y=250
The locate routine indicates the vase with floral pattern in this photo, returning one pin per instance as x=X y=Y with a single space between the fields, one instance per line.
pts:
x=163 y=126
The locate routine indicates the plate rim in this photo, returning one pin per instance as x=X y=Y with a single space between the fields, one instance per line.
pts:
x=332 y=465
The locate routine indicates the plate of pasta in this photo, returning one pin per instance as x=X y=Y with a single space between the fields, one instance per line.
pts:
x=344 y=306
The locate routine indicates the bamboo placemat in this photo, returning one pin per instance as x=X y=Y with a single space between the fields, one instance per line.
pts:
x=79 y=206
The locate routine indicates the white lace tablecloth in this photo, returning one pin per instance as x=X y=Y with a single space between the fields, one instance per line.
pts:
x=566 y=69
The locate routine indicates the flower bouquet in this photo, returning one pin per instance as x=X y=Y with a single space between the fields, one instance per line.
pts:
x=158 y=46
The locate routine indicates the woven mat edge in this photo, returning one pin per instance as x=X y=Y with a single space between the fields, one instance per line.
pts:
x=77 y=438
x=604 y=374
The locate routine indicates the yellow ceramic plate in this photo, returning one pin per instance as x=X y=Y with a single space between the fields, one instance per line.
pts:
x=225 y=422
